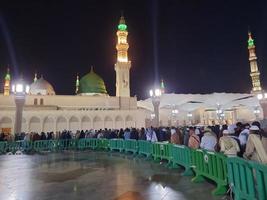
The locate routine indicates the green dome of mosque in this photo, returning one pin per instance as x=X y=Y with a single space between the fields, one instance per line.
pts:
x=92 y=84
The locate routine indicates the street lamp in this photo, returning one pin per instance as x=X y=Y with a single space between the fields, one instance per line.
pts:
x=20 y=89
x=155 y=97
x=262 y=97
x=190 y=115
x=220 y=113
x=257 y=112
x=174 y=115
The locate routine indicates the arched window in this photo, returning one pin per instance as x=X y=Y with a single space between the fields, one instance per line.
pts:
x=35 y=102
x=41 y=101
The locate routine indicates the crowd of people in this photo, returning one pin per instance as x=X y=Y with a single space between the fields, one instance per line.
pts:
x=243 y=140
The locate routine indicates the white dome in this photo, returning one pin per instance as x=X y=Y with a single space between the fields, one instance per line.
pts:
x=41 y=87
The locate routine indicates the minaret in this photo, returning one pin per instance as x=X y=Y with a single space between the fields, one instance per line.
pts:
x=162 y=86
x=254 y=71
x=35 y=77
x=123 y=65
x=77 y=84
x=7 y=83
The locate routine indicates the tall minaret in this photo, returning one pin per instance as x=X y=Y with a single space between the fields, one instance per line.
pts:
x=77 y=84
x=254 y=71
x=162 y=86
x=7 y=83
x=123 y=65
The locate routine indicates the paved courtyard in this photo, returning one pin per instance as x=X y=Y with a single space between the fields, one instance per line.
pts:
x=94 y=176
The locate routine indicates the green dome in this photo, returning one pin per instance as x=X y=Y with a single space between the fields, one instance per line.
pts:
x=91 y=84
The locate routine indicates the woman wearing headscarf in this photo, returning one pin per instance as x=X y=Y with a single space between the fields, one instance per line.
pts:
x=194 y=140
x=176 y=136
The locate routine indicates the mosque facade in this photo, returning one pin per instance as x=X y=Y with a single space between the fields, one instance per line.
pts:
x=92 y=108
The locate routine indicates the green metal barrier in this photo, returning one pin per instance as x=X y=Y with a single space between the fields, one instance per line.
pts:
x=45 y=145
x=261 y=180
x=181 y=156
x=145 y=148
x=3 y=147
x=247 y=179
x=38 y=145
x=131 y=146
x=91 y=143
x=81 y=144
x=212 y=166
x=27 y=146
x=87 y=143
x=69 y=144
x=161 y=150
x=15 y=146
x=103 y=143
x=116 y=144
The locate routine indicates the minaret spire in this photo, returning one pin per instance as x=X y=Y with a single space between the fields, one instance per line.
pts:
x=254 y=71
x=123 y=65
x=7 y=83
x=162 y=86
x=35 y=77
x=77 y=84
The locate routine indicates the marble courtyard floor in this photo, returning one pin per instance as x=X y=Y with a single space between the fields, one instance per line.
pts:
x=94 y=176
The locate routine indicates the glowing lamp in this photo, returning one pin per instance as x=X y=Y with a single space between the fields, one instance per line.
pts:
x=20 y=88
x=189 y=115
x=175 y=111
x=260 y=96
x=151 y=93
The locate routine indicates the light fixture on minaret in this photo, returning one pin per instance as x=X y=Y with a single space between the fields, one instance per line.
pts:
x=254 y=71
x=7 y=83
x=123 y=65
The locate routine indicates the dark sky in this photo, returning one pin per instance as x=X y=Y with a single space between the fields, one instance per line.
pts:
x=199 y=46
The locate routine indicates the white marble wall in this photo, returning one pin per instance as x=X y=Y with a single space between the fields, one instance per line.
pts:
x=58 y=120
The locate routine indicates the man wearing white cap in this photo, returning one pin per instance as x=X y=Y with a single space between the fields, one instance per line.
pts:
x=254 y=148
x=209 y=140
x=228 y=145
x=232 y=133
x=243 y=137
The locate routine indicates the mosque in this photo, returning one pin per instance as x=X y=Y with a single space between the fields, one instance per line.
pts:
x=93 y=108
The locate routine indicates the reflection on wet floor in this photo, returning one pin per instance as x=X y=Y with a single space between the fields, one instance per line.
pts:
x=49 y=177
x=94 y=176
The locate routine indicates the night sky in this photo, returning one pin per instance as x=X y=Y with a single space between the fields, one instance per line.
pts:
x=197 y=46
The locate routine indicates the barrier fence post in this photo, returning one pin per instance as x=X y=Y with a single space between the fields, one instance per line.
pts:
x=145 y=148
x=3 y=147
x=212 y=166
x=131 y=146
x=116 y=144
x=181 y=155
x=161 y=150
x=241 y=178
x=261 y=180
